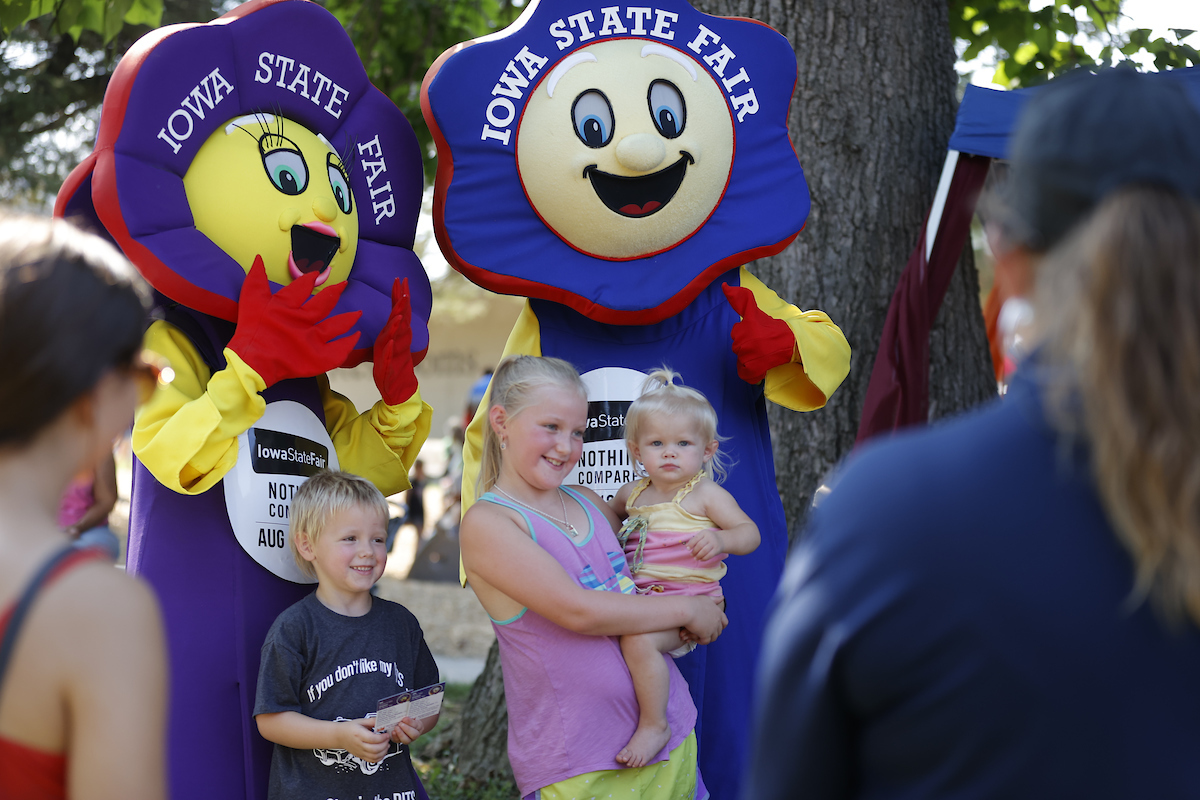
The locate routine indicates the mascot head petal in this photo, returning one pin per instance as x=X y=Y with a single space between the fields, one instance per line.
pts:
x=615 y=159
x=257 y=134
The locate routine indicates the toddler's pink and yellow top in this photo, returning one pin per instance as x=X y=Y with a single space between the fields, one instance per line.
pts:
x=655 y=539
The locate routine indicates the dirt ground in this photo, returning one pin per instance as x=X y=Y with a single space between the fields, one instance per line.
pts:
x=454 y=622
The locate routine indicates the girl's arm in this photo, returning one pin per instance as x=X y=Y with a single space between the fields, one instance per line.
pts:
x=737 y=534
x=509 y=572
x=295 y=730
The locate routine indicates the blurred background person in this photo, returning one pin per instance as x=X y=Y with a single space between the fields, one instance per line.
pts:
x=82 y=673
x=1008 y=605
x=85 y=507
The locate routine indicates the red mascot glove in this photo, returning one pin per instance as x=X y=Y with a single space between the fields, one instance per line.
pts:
x=393 y=368
x=759 y=340
x=290 y=334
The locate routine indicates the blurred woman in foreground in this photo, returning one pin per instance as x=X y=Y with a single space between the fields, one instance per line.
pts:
x=82 y=673
x=1007 y=605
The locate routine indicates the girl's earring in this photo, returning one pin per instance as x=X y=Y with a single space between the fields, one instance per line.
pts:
x=503 y=444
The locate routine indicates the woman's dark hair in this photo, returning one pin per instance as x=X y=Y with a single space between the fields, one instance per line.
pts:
x=71 y=308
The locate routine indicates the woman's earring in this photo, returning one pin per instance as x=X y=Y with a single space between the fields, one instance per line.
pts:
x=503 y=444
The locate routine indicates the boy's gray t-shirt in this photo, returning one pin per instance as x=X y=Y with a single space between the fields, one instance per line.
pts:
x=328 y=666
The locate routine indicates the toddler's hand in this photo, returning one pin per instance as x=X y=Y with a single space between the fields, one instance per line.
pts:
x=706 y=544
x=360 y=739
x=406 y=731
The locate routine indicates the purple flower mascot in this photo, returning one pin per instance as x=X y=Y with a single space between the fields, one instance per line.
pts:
x=269 y=193
x=618 y=165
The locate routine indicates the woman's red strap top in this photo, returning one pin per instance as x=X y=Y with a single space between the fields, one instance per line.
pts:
x=26 y=773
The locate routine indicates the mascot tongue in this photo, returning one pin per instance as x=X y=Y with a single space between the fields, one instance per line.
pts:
x=634 y=210
x=313 y=248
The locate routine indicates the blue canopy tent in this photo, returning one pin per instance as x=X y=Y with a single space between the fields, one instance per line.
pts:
x=898 y=394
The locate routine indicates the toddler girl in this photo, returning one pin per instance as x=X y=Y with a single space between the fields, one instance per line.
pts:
x=679 y=526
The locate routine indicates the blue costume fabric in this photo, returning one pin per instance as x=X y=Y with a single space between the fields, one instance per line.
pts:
x=616 y=164
x=959 y=622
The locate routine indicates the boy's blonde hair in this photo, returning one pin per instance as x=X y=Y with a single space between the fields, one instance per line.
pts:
x=513 y=387
x=662 y=396
x=326 y=493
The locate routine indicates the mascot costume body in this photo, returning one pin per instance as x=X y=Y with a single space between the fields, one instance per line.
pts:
x=618 y=165
x=269 y=193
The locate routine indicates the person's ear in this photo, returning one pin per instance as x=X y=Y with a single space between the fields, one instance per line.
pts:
x=1015 y=265
x=498 y=419
x=83 y=408
x=711 y=450
x=304 y=546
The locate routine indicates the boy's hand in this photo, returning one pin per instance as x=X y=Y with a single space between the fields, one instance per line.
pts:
x=406 y=731
x=359 y=738
x=706 y=544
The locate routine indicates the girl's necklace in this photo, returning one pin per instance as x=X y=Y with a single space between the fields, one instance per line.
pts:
x=571 y=530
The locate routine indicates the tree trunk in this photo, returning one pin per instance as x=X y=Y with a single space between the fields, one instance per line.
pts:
x=477 y=742
x=873 y=110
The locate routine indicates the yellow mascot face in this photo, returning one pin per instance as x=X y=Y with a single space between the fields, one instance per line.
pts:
x=268 y=186
x=625 y=148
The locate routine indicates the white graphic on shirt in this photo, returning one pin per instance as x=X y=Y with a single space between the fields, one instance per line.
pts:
x=345 y=761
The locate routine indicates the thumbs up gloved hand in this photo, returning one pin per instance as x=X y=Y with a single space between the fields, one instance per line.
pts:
x=289 y=334
x=759 y=340
x=393 y=369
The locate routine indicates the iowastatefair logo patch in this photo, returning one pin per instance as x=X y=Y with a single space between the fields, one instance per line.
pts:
x=605 y=465
x=286 y=446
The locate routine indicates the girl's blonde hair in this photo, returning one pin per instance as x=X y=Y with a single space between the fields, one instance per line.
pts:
x=1121 y=299
x=661 y=395
x=326 y=493
x=514 y=388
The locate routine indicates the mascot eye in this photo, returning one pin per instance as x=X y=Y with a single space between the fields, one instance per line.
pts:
x=667 y=109
x=340 y=185
x=593 y=118
x=286 y=168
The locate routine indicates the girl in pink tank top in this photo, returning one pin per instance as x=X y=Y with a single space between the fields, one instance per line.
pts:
x=679 y=526
x=549 y=571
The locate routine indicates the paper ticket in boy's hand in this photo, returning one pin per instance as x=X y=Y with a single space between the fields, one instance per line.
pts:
x=418 y=704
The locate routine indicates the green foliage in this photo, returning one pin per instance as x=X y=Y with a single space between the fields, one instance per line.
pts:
x=58 y=57
x=1034 y=46
x=104 y=17
x=443 y=782
x=399 y=39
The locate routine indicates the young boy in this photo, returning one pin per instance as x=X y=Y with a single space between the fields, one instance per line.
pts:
x=329 y=659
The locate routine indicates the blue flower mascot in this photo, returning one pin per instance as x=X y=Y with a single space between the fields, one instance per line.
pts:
x=269 y=193
x=618 y=165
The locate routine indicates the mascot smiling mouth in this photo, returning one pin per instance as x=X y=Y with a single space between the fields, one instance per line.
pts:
x=640 y=195
x=312 y=251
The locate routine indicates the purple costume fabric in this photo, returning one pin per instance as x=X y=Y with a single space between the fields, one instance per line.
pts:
x=174 y=88
x=571 y=700
x=173 y=81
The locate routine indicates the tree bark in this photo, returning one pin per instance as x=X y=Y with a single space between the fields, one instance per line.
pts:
x=873 y=110
x=477 y=742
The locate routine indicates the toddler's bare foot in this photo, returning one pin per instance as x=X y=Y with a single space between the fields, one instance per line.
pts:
x=646 y=742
